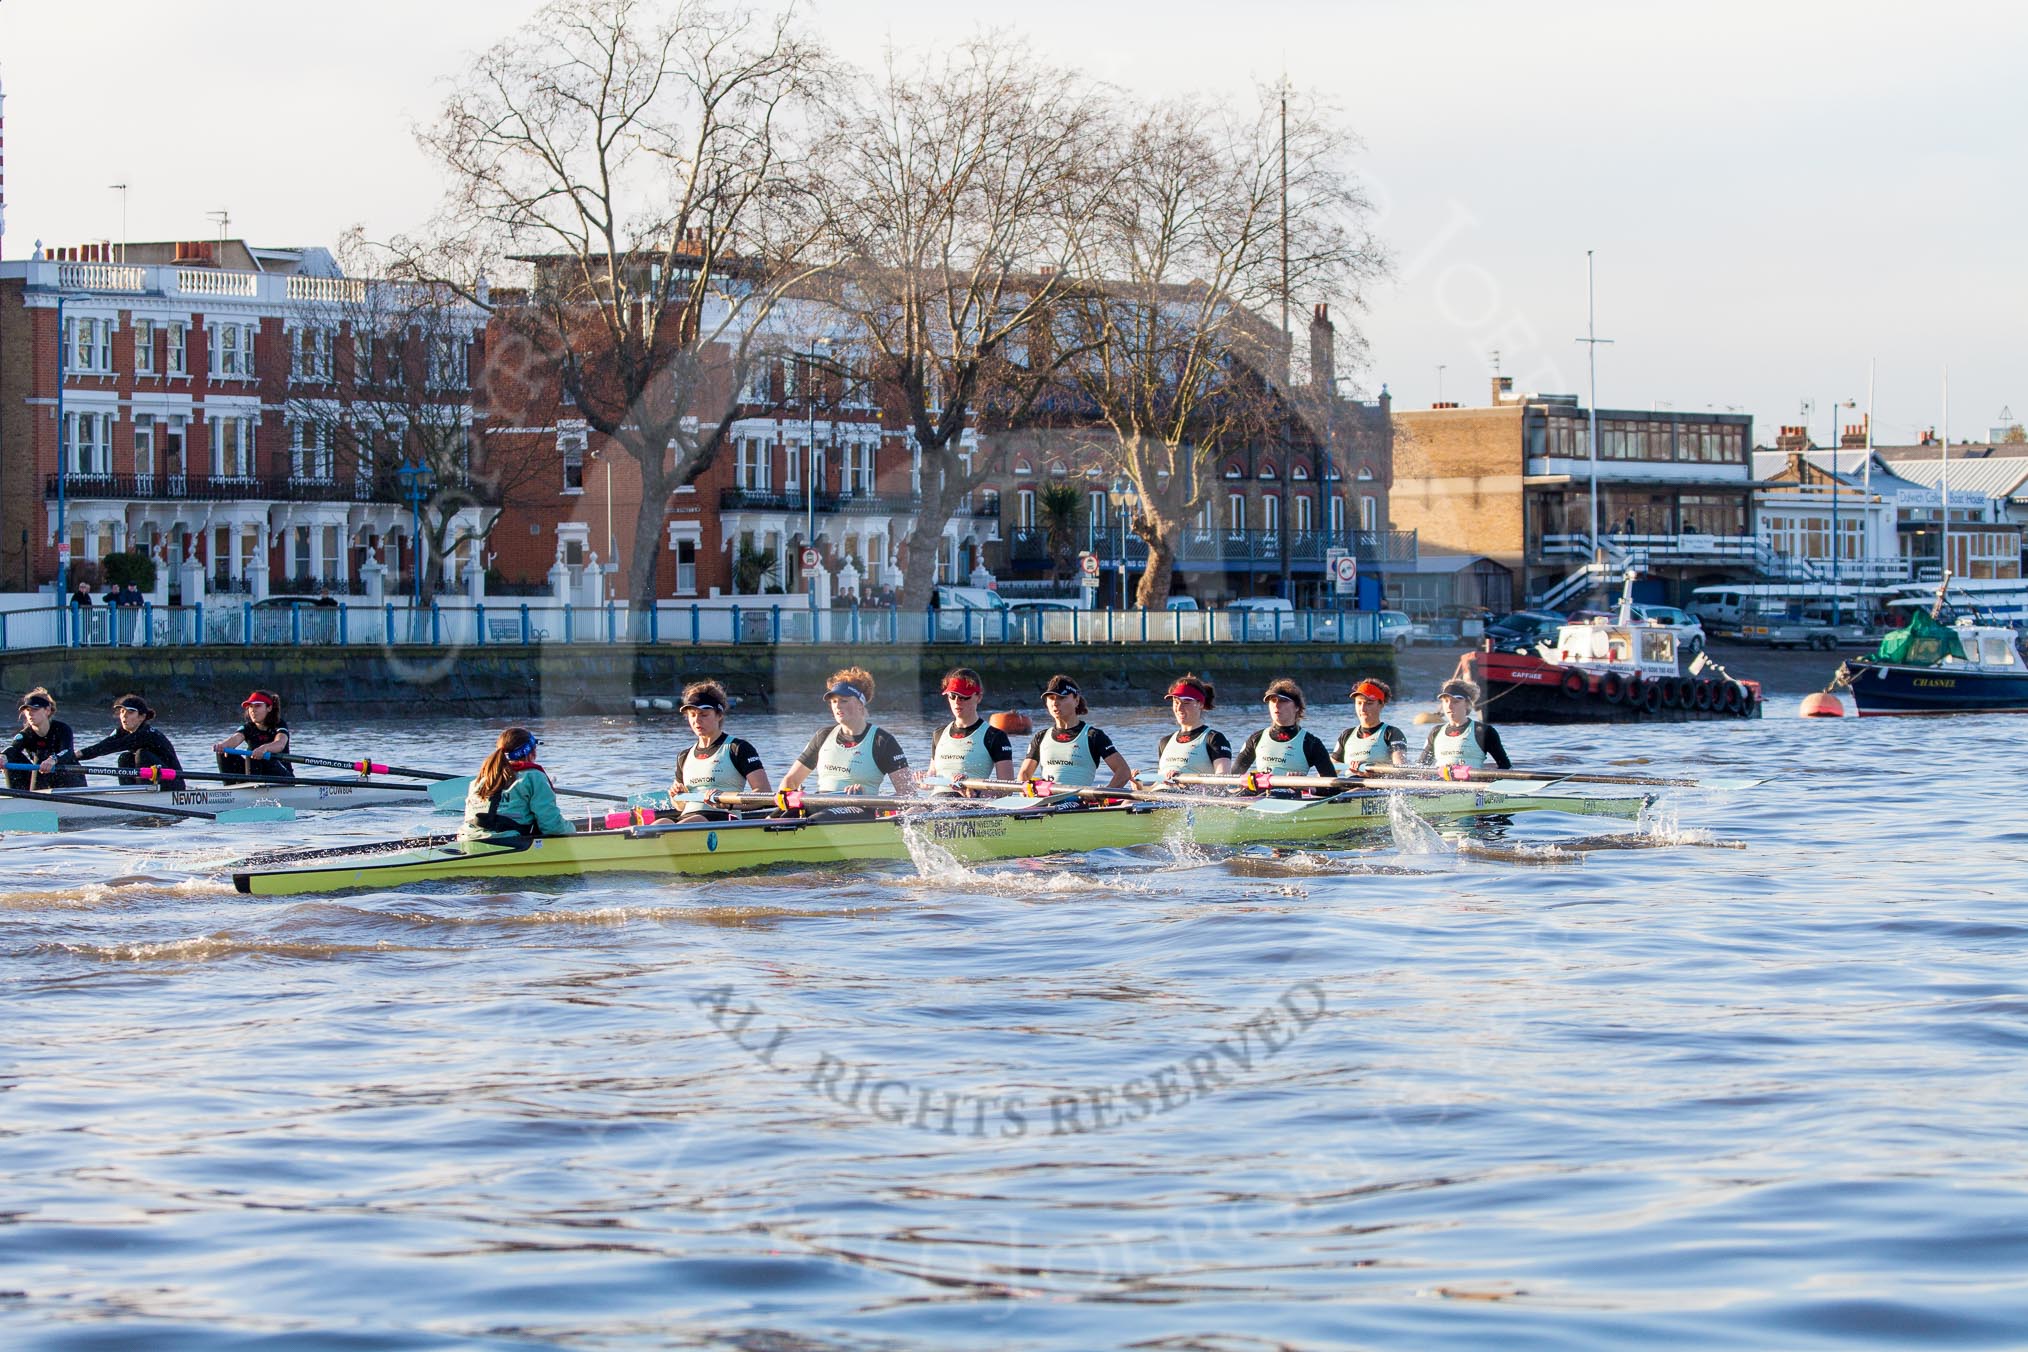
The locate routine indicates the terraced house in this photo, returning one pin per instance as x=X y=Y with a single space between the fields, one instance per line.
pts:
x=219 y=407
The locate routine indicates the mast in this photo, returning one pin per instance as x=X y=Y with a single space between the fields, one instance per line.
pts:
x=1943 y=484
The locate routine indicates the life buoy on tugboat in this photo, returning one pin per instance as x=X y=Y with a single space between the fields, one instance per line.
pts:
x=1703 y=694
x=1612 y=687
x=1574 y=684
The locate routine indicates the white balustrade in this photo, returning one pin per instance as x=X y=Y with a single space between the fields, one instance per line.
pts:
x=211 y=282
x=101 y=277
x=336 y=290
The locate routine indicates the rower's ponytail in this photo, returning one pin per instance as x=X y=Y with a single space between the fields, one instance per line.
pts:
x=496 y=774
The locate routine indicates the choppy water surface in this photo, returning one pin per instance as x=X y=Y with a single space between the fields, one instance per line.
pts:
x=1557 y=1083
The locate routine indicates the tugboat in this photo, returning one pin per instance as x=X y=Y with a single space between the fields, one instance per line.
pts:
x=1622 y=672
x=1930 y=667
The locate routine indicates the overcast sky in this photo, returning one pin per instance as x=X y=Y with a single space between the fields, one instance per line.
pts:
x=1777 y=191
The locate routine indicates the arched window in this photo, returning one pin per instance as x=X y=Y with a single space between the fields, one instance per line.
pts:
x=1022 y=467
x=1365 y=473
x=1268 y=470
x=1057 y=469
x=1300 y=472
x=1233 y=471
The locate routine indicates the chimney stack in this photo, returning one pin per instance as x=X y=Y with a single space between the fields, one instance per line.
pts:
x=1503 y=390
x=1323 y=353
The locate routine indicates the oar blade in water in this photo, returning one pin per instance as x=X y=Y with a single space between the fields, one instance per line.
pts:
x=264 y=812
x=449 y=794
x=43 y=822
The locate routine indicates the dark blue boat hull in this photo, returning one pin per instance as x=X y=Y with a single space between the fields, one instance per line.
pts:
x=1881 y=688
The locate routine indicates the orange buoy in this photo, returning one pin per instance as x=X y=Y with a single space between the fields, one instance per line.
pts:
x=1823 y=704
x=1012 y=720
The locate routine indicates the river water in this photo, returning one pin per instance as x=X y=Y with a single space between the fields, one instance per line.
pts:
x=1747 y=1073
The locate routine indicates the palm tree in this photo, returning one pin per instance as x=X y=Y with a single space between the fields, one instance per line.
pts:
x=1057 y=507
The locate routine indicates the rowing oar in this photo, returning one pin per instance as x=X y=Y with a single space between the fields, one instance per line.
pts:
x=1050 y=791
x=162 y=774
x=1461 y=773
x=363 y=765
x=450 y=793
x=1408 y=776
x=259 y=813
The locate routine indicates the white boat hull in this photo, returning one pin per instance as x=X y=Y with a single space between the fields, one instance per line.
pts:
x=126 y=803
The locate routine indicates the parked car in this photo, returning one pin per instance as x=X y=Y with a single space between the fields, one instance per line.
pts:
x=1182 y=603
x=1259 y=616
x=1520 y=630
x=1806 y=627
x=1396 y=628
x=1036 y=603
x=1693 y=642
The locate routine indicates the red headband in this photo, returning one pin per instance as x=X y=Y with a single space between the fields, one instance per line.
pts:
x=1186 y=690
x=961 y=685
x=259 y=695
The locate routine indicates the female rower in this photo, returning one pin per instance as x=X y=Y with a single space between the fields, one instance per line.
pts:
x=264 y=734
x=1070 y=751
x=1370 y=741
x=856 y=755
x=719 y=760
x=1195 y=748
x=137 y=739
x=967 y=747
x=1462 y=739
x=1283 y=747
x=44 y=743
x=512 y=794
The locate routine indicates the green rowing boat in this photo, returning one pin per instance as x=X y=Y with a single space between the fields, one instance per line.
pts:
x=968 y=834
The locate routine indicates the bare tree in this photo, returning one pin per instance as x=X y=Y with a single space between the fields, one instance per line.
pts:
x=1186 y=255
x=956 y=189
x=383 y=399
x=639 y=159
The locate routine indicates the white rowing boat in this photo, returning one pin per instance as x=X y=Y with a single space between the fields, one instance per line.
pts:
x=125 y=802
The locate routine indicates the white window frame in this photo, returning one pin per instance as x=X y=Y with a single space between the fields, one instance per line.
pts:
x=178 y=354
x=1369 y=512
x=144 y=347
x=144 y=447
x=859 y=468
x=1235 y=511
x=1306 y=514
x=89 y=439
x=239 y=444
x=1024 y=509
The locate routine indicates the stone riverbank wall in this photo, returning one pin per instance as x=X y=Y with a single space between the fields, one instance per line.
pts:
x=502 y=682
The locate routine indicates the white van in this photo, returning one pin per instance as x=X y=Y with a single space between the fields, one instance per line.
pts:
x=969 y=598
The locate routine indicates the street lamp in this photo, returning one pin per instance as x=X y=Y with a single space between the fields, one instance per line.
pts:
x=810 y=367
x=417 y=483
x=1129 y=498
x=612 y=550
x=1837 y=544
x=62 y=459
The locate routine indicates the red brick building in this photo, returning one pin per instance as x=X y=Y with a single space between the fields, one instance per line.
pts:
x=210 y=408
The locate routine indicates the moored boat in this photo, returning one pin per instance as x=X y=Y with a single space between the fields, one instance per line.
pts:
x=968 y=835
x=1624 y=671
x=1930 y=667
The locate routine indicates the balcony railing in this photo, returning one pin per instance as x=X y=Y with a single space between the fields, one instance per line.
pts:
x=754 y=500
x=183 y=488
x=1251 y=550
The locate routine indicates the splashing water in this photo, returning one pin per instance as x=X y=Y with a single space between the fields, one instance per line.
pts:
x=1413 y=835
